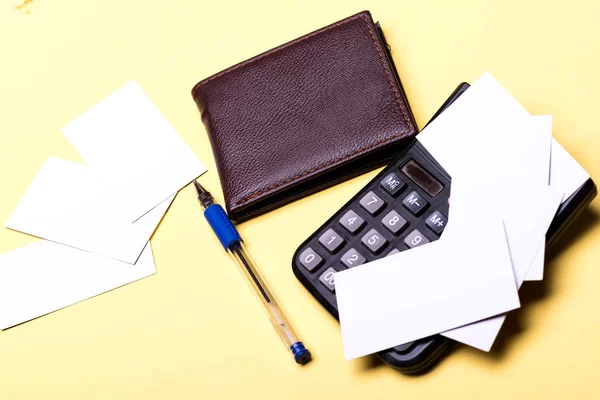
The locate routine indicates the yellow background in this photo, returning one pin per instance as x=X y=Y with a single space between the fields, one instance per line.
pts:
x=194 y=330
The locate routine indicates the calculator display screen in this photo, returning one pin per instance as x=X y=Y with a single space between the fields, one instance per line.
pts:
x=421 y=177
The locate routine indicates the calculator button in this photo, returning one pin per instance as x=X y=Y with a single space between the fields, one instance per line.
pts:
x=327 y=279
x=310 y=259
x=436 y=222
x=392 y=184
x=331 y=240
x=374 y=241
x=352 y=258
x=415 y=238
x=394 y=251
x=415 y=203
x=352 y=221
x=372 y=203
x=394 y=222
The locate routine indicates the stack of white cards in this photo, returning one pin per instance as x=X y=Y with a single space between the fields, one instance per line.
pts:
x=508 y=179
x=96 y=219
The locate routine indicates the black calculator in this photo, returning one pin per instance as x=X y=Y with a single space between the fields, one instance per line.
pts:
x=404 y=206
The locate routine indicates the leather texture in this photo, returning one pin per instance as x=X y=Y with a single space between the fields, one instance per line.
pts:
x=304 y=116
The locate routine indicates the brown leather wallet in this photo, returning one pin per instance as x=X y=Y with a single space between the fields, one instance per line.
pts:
x=304 y=116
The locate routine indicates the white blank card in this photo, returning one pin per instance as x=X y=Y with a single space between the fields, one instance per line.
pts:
x=64 y=205
x=43 y=277
x=126 y=136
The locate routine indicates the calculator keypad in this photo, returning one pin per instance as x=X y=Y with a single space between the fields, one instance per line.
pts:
x=374 y=241
x=436 y=222
x=331 y=240
x=394 y=222
x=327 y=279
x=352 y=222
x=415 y=238
x=372 y=203
x=353 y=258
x=310 y=259
x=415 y=203
x=392 y=184
x=393 y=213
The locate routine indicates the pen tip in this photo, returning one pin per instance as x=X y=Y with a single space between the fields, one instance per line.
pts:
x=204 y=195
x=198 y=187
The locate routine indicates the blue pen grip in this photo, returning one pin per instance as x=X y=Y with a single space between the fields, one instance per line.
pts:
x=221 y=224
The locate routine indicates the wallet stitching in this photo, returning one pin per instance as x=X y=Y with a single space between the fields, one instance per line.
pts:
x=245 y=199
x=382 y=58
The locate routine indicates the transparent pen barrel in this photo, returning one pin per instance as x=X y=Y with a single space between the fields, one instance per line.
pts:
x=255 y=280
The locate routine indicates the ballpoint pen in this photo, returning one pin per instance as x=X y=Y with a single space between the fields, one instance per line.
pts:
x=233 y=244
